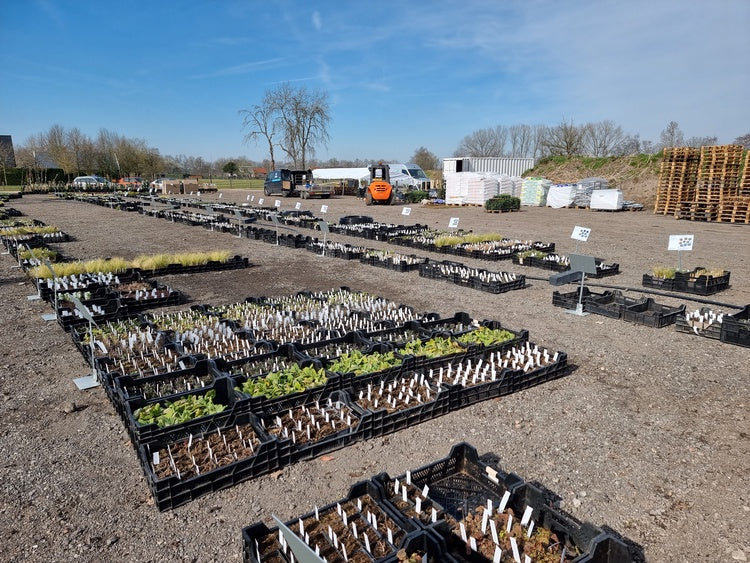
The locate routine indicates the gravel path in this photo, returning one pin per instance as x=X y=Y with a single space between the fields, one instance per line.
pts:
x=648 y=436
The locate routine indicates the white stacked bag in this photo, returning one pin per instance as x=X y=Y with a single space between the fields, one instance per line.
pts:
x=534 y=191
x=561 y=195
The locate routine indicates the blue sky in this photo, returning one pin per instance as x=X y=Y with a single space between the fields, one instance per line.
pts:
x=399 y=75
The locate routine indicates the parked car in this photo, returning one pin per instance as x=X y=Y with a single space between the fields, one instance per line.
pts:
x=90 y=182
x=131 y=182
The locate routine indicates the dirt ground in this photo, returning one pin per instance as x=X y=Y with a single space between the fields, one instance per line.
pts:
x=648 y=436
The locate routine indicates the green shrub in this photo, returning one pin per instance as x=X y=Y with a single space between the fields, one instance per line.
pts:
x=503 y=202
x=416 y=196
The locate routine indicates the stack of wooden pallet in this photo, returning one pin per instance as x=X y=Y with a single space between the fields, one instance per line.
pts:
x=719 y=173
x=678 y=177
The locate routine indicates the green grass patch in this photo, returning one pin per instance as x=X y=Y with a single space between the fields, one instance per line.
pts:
x=236 y=184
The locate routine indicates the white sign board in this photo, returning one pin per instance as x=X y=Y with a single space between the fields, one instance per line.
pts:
x=324 y=209
x=581 y=233
x=298 y=205
x=277 y=203
x=406 y=211
x=248 y=197
x=680 y=242
x=221 y=194
x=252 y=198
x=453 y=223
x=260 y=201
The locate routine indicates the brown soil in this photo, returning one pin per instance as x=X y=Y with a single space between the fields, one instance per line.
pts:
x=649 y=436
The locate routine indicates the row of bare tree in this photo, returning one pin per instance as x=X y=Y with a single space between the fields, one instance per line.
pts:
x=602 y=138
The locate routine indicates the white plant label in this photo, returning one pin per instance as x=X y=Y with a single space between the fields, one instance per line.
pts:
x=526 y=516
x=156 y=458
x=324 y=208
x=463 y=531
x=434 y=515
x=473 y=543
x=581 y=233
x=298 y=205
x=221 y=194
x=514 y=547
x=199 y=193
x=680 y=242
x=498 y=555
x=493 y=530
x=406 y=211
x=252 y=198
x=390 y=536
x=485 y=519
x=248 y=198
x=260 y=201
x=418 y=505
x=510 y=524
x=277 y=203
x=408 y=477
x=453 y=223
x=395 y=486
x=425 y=491
x=503 y=502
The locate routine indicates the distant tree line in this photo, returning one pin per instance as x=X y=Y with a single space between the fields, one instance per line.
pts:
x=602 y=138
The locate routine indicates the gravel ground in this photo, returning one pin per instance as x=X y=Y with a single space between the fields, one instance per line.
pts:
x=648 y=436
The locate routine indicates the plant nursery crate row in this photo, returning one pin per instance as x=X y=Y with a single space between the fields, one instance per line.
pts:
x=433 y=513
x=735 y=329
x=696 y=281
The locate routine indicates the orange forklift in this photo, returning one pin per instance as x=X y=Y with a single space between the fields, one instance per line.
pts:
x=380 y=189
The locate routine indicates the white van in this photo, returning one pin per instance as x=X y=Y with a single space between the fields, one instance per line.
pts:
x=409 y=176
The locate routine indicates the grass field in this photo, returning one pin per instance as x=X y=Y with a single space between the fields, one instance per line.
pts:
x=18 y=188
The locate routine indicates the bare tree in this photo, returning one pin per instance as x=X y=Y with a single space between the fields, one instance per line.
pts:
x=602 y=138
x=672 y=136
x=743 y=140
x=521 y=140
x=698 y=142
x=304 y=117
x=482 y=142
x=56 y=146
x=425 y=159
x=261 y=122
x=81 y=149
x=565 y=139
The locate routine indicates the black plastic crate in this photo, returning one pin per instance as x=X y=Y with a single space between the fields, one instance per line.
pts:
x=507 y=381
x=569 y=300
x=735 y=329
x=261 y=542
x=712 y=330
x=665 y=284
x=172 y=491
x=317 y=350
x=380 y=422
x=688 y=282
x=610 y=304
x=497 y=286
x=346 y=435
x=225 y=395
x=101 y=310
x=652 y=314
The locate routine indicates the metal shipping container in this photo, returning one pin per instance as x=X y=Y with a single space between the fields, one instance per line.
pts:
x=498 y=165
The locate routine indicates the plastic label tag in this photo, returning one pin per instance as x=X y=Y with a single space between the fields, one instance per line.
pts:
x=493 y=529
x=473 y=543
x=156 y=458
x=324 y=209
x=425 y=491
x=277 y=203
x=514 y=547
x=526 y=516
x=503 y=502
x=453 y=223
x=498 y=555
x=260 y=201
x=298 y=205
x=406 y=211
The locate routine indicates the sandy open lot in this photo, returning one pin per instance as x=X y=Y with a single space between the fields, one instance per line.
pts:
x=648 y=436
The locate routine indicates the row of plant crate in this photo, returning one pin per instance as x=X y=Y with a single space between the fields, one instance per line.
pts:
x=729 y=328
x=458 y=508
x=307 y=424
x=560 y=263
x=699 y=281
x=476 y=278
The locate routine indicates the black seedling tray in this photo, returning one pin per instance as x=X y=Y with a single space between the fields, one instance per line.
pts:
x=735 y=329
x=171 y=492
x=610 y=304
x=712 y=331
x=652 y=314
x=569 y=300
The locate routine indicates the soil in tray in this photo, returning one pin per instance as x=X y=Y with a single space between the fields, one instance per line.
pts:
x=542 y=547
x=152 y=390
x=406 y=499
x=333 y=350
x=195 y=456
x=398 y=395
x=309 y=424
x=154 y=362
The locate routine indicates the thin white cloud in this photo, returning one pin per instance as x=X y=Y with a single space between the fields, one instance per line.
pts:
x=317 y=23
x=244 y=68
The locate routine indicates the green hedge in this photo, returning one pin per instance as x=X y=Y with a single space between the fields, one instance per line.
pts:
x=416 y=196
x=503 y=202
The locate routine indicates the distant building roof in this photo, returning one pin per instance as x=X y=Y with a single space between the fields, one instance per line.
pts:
x=7 y=155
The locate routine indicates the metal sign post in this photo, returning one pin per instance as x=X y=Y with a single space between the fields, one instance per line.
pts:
x=240 y=221
x=585 y=265
x=323 y=226
x=38 y=295
x=275 y=221
x=680 y=243
x=580 y=234
x=51 y=316
x=300 y=549
x=91 y=380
